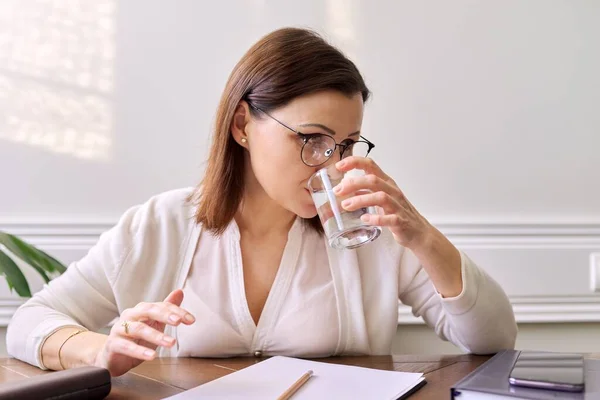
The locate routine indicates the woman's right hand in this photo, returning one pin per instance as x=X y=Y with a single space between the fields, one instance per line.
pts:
x=125 y=349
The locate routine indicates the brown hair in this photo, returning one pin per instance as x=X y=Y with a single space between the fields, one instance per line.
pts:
x=281 y=66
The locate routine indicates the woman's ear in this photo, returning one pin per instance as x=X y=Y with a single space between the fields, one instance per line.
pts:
x=241 y=117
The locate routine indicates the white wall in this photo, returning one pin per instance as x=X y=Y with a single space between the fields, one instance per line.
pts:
x=567 y=337
x=485 y=113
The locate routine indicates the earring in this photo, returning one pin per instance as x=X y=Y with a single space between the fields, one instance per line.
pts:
x=244 y=140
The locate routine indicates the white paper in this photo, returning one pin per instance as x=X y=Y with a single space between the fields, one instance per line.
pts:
x=270 y=378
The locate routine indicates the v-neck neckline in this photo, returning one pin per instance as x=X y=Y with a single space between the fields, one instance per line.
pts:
x=256 y=334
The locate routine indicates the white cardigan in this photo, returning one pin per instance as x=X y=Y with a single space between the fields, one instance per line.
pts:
x=149 y=252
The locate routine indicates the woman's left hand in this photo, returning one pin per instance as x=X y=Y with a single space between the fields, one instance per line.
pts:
x=409 y=227
x=439 y=257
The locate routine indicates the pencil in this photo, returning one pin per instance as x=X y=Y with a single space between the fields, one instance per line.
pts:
x=297 y=385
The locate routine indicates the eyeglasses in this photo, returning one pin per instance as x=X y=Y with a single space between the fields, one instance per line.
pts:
x=317 y=148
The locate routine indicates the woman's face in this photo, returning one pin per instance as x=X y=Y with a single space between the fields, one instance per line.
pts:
x=274 y=152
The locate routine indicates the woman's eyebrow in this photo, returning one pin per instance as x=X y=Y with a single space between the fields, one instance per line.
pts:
x=326 y=129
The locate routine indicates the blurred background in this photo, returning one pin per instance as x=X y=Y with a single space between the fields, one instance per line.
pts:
x=486 y=113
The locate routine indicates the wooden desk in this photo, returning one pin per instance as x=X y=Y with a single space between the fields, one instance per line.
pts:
x=168 y=376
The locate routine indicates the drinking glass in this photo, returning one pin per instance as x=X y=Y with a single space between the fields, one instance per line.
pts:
x=344 y=229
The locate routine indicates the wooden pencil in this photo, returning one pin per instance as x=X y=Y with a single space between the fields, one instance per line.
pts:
x=297 y=385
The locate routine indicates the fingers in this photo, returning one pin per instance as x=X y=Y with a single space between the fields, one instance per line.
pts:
x=366 y=164
x=371 y=182
x=380 y=199
x=175 y=297
x=391 y=220
x=140 y=330
x=166 y=313
x=119 y=345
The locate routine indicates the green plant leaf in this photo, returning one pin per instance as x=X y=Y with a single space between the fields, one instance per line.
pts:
x=21 y=252
x=14 y=277
x=37 y=258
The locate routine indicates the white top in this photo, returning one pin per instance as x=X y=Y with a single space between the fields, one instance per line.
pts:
x=323 y=301
x=302 y=299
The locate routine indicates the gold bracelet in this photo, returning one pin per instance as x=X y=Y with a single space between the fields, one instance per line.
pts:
x=77 y=332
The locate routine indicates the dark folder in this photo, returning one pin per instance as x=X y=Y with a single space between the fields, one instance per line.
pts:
x=491 y=380
x=77 y=383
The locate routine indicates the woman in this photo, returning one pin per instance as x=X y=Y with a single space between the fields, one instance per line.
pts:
x=239 y=266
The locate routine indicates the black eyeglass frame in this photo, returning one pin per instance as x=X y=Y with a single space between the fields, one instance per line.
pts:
x=307 y=136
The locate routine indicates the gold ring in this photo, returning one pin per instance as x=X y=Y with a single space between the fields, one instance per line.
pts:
x=125 y=325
